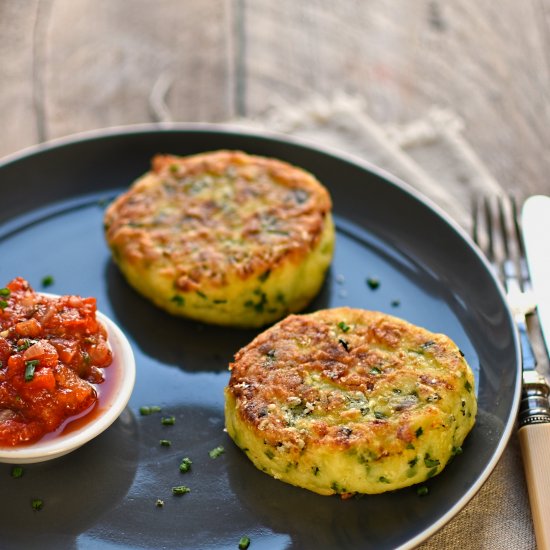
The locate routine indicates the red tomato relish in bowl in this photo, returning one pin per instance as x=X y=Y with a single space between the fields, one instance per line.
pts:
x=52 y=352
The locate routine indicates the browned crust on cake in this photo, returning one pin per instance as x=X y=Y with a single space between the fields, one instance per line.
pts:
x=267 y=213
x=334 y=367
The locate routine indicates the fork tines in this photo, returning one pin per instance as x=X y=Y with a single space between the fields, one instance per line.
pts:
x=497 y=231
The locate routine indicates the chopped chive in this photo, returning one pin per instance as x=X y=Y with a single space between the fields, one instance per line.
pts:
x=202 y=295
x=37 y=504
x=180 y=490
x=419 y=432
x=373 y=283
x=159 y=503
x=47 y=281
x=395 y=303
x=30 y=366
x=422 y=491
x=3 y=304
x=216 y=452
x=185 y=465
x=430 y=462
x=25 y=345
x=147 y=410
x=375 y=370
x=165 y=443
x=168 y=420
x=456 y=451
x=5 y=291
x=17 y=472
x=263 y=277
x=244 y=543
x=178 y=300
x=343 y=326
x=468 y=386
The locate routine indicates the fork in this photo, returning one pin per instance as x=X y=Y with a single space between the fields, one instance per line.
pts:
x=503 y=247
x=502 y=244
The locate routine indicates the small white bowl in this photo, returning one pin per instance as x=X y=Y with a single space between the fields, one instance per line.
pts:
x=111 y=408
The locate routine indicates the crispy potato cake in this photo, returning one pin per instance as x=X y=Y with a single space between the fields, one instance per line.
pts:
x=223 y=237
x=350 y=401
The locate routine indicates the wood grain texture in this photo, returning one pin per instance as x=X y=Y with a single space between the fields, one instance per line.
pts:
x=103 y=59
x=73 y=65
x=17 y=108
x=485 y=60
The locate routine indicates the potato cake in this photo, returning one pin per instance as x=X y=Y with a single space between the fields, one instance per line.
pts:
x=223 y=237
x=350 y=401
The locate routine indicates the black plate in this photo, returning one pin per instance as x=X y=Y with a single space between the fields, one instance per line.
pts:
x=53 y=199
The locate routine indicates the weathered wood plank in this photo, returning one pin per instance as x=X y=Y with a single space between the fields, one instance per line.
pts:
x=104 y=59
x=17 y=109
x=485 y=60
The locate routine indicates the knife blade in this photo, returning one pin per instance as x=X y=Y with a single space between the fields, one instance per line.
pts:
x=535 y=220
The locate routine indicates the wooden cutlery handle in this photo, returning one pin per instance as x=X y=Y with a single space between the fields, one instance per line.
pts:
x=535 y=448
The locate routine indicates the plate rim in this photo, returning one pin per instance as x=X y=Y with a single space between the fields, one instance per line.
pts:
x=258 y=133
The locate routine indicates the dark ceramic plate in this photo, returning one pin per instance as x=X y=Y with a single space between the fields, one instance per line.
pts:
x=105 y=494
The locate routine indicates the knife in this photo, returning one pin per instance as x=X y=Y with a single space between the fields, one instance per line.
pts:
x=536 y=237
x=534 y=437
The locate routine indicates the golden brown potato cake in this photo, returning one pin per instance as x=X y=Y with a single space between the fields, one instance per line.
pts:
x=223 y=237
x=350 y=401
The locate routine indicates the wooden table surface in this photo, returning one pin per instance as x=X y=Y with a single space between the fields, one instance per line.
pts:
x=68 y=66
x=73 y=65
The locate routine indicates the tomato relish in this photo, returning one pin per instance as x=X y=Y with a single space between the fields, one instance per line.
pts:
x=52 y=352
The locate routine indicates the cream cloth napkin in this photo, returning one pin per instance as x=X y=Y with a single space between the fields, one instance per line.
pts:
x=432 y=155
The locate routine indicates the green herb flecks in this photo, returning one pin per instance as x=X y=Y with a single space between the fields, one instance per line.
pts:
x=468 y=386
x=25 y=345
x=168 y=420
x=17 y=472
x=159 y=503
x=165 y=443
x=422 y=491
x=343 y=326
x=30 y=367
x=3 y=304
x=47 y=281
x=264 y=276
x=178 y=300
x=185 y=465
x=373 y=283
x=180 y=490
x=37 y=504
x=456 y=451
x=430 y=462
x=258 y=306
x=216 y=452
x=149 y=409
x=244 y=543
x=5 y=292
x=419 y=432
